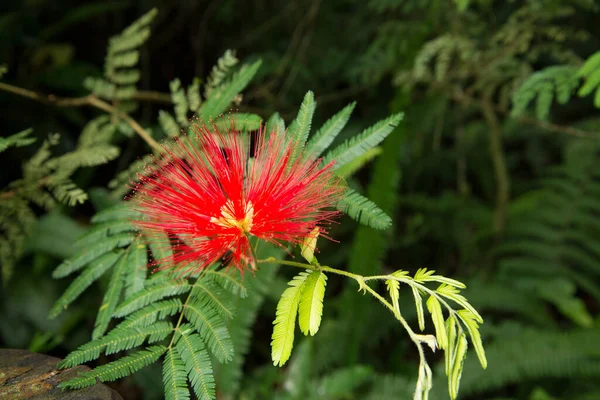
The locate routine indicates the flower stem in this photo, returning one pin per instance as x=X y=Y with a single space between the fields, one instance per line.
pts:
x=361 y=280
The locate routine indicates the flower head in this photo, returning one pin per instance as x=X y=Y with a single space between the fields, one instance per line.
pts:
x=213 y=196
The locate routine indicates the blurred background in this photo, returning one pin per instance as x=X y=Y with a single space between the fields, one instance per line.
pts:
x=492 y=177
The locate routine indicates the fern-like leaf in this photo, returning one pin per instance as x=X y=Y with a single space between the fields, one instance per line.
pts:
x=197 y=362
x=361 y=143
x=117 y=369
x=220 y=99
x=300 y=128
x=174 y=376
x=90 y=254
x=544 y=85
x=119 y=339
x=211 y=327
x=17 y=140
x=83 y=281
x=111 y=297
x=150 y=295
x=329 y=131
x=363 y=210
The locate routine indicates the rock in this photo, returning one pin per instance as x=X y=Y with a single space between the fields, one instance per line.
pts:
x=27 y=375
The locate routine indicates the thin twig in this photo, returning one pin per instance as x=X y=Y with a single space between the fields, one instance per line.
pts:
x=89 y=100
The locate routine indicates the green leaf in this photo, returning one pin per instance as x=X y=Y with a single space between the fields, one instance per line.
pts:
x=309 y=244
x=111 y=297
x=137 y=267
x=211 y=327
x=220 y=99
x=450 y=350
x=150 y=295
x=419 y=307
x=285 y=320
x=457 y=368
x=300 y=127
x=152 y=312
x=275 y=124
x=174 y=376
x=168 y=124
x=361 y=143
x=329 y=131
x=83 y=281
x=470 y=322
x=214 y=296
x=243 y=122
x=310 y=310
x=435 y=309
x=117 y=369
x=393 y=288
x=450 y=292
x=197 y=362
x=119 y=339
x=350 y=168
x=160 y=245
x=363 y=210
x=121 y=212
x=228 y=282
x=101 y=231
x=17 y=140
x=90 y=254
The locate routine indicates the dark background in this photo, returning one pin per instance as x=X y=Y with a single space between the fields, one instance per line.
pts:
x=533 y=276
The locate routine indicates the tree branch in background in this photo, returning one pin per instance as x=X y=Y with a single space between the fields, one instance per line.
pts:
x=91 y=101
x=500 y=169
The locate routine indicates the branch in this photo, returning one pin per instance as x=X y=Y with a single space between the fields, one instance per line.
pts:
x=460 y=96
x=89 y=100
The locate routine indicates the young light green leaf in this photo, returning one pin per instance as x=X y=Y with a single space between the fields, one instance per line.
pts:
x=471 y=322
x=361 y=143
x=329 y=131
x=393 y=287
x=311 y=302
x=449 y=353
x=435 y=309
x=309 y=244
x=457 y=367
x=450 y=292
x=423 y=274
x=419 y=307
x=285 y=320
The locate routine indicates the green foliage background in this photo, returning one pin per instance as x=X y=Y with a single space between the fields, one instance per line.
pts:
x=490 y=179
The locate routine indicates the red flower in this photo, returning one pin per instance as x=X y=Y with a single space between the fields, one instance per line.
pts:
x=211 y=195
